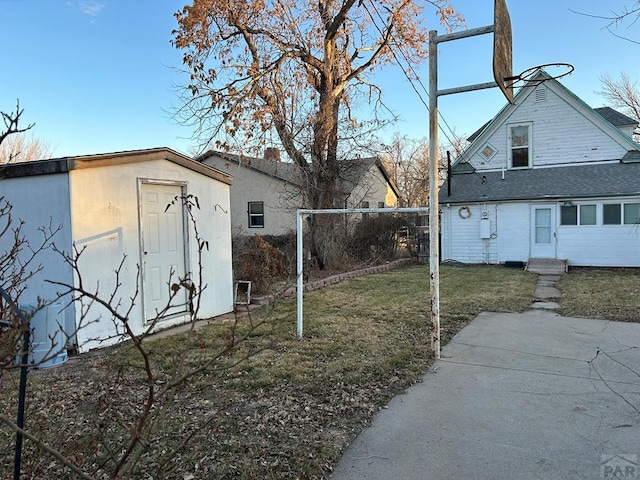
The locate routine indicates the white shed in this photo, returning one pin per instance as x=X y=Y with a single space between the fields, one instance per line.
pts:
x=119 y=205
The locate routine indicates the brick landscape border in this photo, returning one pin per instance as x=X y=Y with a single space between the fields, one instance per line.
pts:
x=333 y=279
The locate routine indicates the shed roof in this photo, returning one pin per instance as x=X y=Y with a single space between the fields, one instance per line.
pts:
x=613 y=179
x=66 y=164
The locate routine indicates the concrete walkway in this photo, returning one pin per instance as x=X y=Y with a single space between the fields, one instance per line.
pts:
x=514 y=396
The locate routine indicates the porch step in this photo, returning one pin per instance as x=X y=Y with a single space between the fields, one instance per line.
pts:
x=547 y=266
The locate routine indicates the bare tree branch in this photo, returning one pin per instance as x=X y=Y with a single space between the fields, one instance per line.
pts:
x=12 y=123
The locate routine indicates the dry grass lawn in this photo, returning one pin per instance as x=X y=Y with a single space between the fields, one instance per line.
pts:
x=612 y=294
x=285 y=412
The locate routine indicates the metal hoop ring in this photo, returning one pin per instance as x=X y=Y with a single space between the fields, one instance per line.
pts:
x=525 y=75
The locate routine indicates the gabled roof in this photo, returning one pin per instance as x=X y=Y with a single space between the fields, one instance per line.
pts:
x=613 y=179
x=613 y=120
x=351 y=171
x=66 y=164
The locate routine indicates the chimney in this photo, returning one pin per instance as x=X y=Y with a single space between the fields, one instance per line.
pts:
x=272 y=153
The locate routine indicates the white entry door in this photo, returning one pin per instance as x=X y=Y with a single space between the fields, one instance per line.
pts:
x=163 y=248
x=543 y=231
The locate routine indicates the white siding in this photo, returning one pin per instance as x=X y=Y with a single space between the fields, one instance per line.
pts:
x=562 y=133
x=600 y=245
x=105 y=220
x=513 y=232
x=461 y=240
x=39 y=201
x=509 y=233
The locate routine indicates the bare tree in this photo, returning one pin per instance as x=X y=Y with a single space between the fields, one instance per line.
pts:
x=623 y=94
x=628 y=13
x=23 y=147
x=122 y=441
x=407 y=161
x=12 y=123
x=299 y=71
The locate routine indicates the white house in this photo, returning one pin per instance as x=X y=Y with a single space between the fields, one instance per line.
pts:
x=266 y=191
x=547 y=177
x=121 y=205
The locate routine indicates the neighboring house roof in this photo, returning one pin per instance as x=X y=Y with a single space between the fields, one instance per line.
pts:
x=66 y=164
x=576 y=181
x=351 y=171
x=616 y=118
x=285 y=171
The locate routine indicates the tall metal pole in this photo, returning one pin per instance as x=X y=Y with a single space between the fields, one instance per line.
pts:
x=434 y=209
x=300 y=272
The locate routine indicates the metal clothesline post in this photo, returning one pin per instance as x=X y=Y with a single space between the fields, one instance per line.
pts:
x=299 y=233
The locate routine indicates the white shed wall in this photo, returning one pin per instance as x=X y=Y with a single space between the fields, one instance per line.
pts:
x=40 y=201
x=105 y=219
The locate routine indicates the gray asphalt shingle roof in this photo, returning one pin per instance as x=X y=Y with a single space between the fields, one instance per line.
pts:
x=577 y=181
x=615 y=118
x=351 y=170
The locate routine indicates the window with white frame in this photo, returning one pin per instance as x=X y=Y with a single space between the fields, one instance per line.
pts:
x=488 y=151
x=578 y=215
x=612 y=214
x=631 y=213
x=256 y=214
x=519 y=141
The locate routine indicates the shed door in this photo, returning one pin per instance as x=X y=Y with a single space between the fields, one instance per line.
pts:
x=543 y=231
x=163 y=248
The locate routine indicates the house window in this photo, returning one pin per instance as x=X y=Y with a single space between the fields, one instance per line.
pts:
x=587 y=214
x=578 y=215
x=631 y=213
x=488 y=151
x=569 y=215
x=520 y=145
x=256 y=214
x=380 y=204
x=611 y=214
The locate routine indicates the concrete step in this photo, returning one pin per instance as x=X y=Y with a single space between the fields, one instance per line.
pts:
x=547 y=266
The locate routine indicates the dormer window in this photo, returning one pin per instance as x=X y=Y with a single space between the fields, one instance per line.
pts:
x=519 y=140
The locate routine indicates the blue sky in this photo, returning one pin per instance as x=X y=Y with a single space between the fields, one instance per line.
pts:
x=99 y=75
